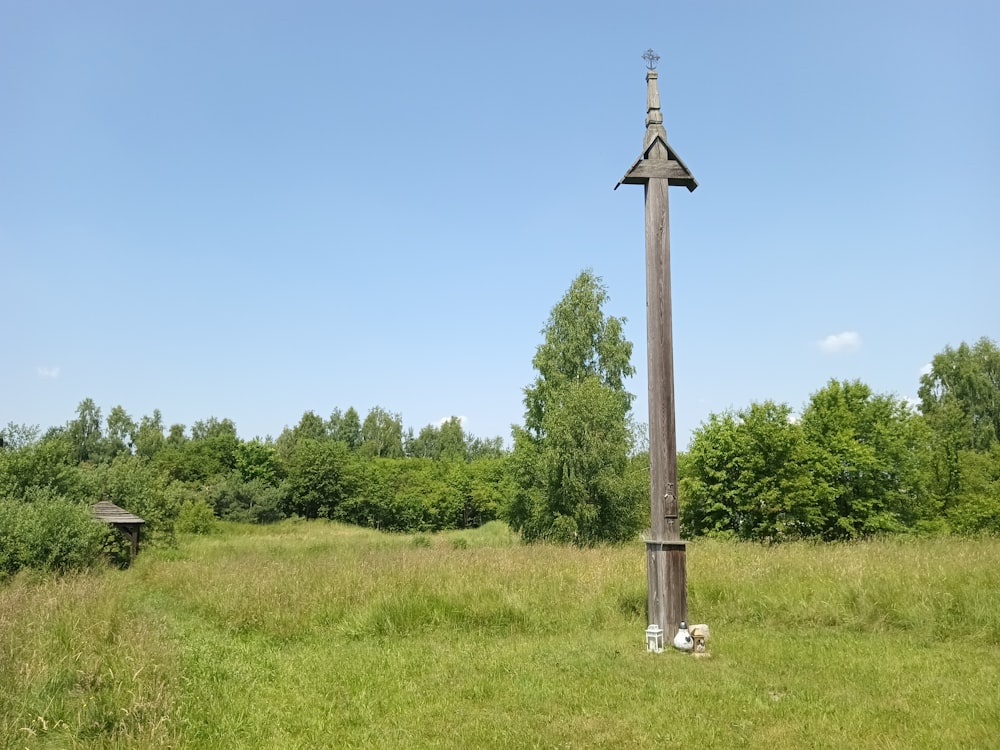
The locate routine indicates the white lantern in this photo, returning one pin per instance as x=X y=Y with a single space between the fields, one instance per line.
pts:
x=683 y=639
x=654 y=639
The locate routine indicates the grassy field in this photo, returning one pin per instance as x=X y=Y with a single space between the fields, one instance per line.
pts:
x=314 y=635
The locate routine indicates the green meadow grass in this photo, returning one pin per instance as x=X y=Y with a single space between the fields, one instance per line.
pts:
x=315 y=635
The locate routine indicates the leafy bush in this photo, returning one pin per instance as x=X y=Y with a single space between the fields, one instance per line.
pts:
x=11 y=536
x=977 y=507
x=116 y=549
x=49 y=534
x=195 y=517
x=321 y=476
x=234 y=498
x=133 y=483
x=46 y=466
x=850 y=467
x=421 y=541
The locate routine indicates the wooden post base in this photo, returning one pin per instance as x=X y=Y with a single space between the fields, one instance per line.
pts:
x=666 y=568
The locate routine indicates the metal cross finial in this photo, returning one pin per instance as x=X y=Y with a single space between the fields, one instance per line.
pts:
x=651 y=58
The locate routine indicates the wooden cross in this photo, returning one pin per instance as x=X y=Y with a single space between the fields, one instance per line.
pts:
x=656 y=169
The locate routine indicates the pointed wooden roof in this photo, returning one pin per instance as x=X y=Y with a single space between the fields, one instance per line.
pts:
x=108 y=512
x=658 y=159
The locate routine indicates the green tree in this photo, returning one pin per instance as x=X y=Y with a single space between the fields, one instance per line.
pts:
x=209 y=452
x=963 y=389
x=310 y=427
x=382 y=434
x=478 y=448
x=423 y=494
x=447 y=442
x=176 y=436
x=751 y=475
x=121 y=433
x=149 y=437
x=392 y=495
x=258 y=460
x=48 y=465
x=489 y=484
x=424 y=444
x=452 y=441
x=248 y=501
x=15 y=436
x=570 y=464
x=213 y=428
x=580 y=342
x=870 y=449
x=977 y=508
x=346 y=428
x=322 y=475
x=960 y=402
x=84 y=432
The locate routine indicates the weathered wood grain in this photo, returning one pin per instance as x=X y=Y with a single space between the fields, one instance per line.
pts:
x=657 y=169
x=128 y=524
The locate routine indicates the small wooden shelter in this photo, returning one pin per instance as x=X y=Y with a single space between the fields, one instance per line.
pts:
x=128 y=524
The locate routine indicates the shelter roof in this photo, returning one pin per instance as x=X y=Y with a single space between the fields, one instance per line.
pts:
x=108 y=512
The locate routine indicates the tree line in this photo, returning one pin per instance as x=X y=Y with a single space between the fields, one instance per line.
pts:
x=574 y=474
x=855 y=463
x=368 y=472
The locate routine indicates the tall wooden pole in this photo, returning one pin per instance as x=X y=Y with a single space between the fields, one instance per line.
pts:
x=657 y=169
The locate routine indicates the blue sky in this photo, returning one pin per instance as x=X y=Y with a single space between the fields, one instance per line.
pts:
x=253 y=209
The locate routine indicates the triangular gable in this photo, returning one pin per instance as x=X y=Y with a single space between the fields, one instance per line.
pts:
x=672 y=168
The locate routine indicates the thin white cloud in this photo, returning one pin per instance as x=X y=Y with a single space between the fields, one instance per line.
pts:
x=927 y=369
x=50 y=373
x=839 y=343
x=461 y=420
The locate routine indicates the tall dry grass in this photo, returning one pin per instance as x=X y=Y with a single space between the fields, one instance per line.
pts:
x=318 y=635
x=79 y=667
